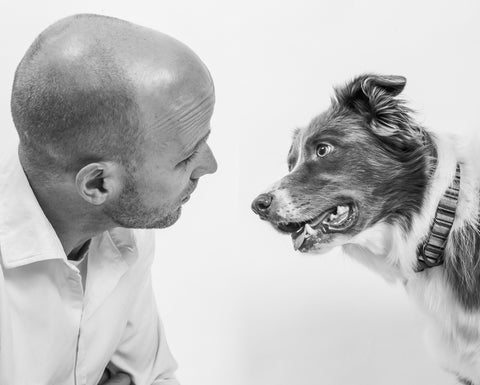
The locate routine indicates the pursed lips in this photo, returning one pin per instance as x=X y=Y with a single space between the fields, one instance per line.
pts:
x=191 y=189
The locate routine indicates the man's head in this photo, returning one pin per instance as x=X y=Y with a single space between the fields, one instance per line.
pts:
x=118 y=112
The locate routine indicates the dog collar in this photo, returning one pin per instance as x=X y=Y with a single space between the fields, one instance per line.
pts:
x=431 y=252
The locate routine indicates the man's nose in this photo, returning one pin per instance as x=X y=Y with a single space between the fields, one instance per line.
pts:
x=261 y=204
x=208 y=165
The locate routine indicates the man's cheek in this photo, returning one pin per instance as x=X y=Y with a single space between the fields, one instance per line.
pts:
x=164 y=193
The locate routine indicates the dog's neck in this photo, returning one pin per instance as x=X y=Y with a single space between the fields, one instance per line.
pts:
x=391 y=250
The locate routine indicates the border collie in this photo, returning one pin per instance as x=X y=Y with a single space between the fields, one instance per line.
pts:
x=364 y=175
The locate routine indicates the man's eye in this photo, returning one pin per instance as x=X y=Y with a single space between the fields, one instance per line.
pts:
x=323 y=149
x=186 y=161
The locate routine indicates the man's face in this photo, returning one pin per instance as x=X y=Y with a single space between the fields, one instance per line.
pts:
x=175 y=156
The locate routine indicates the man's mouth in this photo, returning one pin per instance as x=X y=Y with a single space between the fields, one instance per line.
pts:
x=337 y=219
x=191 y=189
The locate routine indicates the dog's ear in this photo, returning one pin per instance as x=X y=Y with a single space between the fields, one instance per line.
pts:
x=392 y=85
x=374 y=97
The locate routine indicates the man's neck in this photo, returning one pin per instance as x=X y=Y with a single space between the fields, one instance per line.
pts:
x=74 y=221
x=78 y=252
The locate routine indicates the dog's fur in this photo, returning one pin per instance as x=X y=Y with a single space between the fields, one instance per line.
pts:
x=395 y=171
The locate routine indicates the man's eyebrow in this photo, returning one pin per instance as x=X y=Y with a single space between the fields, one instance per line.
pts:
x=187 y=153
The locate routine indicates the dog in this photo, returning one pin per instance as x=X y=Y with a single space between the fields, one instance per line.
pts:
x=366 y=176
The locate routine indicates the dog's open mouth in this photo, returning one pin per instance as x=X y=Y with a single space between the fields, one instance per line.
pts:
x=334 y=220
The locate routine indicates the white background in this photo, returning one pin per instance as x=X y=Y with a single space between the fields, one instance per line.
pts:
x=239 y=305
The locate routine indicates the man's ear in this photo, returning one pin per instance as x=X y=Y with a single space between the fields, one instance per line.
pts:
x=99 y=182
x=373 y=96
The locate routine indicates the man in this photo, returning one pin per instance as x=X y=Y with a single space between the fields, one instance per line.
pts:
x=113 y=120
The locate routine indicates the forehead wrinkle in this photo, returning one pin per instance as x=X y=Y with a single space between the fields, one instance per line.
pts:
x=190 y=145
x=169 y=123
x=183 y=114
x=193 y=145
x=196 y=123
x=203 y=106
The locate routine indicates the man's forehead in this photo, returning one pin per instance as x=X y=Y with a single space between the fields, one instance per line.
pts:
x=173 y=87
x=176 y=130
x=166 y=113
x=193 y=118
x=189 y=125
x=194 y=128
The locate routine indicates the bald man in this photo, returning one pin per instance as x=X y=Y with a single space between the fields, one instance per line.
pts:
x=112 y=120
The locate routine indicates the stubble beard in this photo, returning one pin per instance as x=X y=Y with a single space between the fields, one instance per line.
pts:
x=129 y=211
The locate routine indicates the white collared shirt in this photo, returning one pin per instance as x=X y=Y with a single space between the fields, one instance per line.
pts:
x=51 y=332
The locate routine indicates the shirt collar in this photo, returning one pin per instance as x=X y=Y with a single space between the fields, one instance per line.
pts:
x=26 y=235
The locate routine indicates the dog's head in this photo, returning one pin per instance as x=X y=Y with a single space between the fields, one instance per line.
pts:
x=362 y=161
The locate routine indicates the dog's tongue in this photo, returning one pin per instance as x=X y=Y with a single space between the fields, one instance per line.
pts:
x=304 y=234
x=298 y=242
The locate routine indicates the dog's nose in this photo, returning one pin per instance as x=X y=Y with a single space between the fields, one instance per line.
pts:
x=261 y=204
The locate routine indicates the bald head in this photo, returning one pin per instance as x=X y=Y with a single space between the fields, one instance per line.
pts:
x=89 y=88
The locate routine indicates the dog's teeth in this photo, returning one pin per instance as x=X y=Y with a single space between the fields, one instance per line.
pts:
x=299 y=241
x=315 y=222
x=309 y=230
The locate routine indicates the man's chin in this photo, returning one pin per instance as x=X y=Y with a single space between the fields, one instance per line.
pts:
x=167 y=220
x=146 y=221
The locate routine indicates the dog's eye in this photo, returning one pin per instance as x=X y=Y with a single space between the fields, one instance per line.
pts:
x=324 y=149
